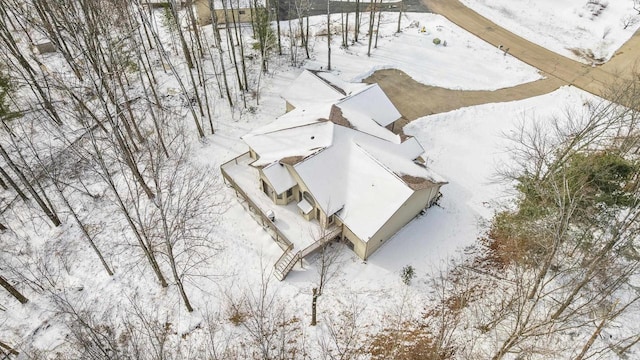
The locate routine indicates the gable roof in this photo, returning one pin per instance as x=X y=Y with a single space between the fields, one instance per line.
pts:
x=352 y=165
x=361 y=178
x=279 y=177
x=373 y=103
x=311 y=87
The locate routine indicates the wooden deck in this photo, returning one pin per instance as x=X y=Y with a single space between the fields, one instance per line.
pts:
x=290 y=256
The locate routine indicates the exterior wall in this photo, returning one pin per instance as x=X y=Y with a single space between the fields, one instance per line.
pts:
x=283 y=199
x=203 y=14
x=412 y=207
x=359 y=247
x=278 y=199
x=301 y=189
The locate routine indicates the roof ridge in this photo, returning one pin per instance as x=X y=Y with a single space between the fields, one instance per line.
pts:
x=327 y=82
x=350 y=96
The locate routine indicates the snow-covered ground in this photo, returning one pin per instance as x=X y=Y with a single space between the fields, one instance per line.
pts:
x=592 y=25
x=465 y=63
x=464 y=146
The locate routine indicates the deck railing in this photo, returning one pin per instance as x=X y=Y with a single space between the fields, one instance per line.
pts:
x=288 y=259
x=277 y=235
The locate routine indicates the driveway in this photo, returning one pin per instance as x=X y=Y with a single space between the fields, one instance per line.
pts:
x=415 y=100
x=592 y=79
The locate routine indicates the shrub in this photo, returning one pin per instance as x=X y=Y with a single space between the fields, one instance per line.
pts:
x=407 y=274
x=436 y=41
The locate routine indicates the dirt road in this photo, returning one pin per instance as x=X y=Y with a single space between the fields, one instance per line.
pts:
x=415 y=100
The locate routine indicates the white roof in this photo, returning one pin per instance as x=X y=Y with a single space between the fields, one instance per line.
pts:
x=359 y=178
x=355 y=168
x=397 y=161
x=312 y=87
x=279 y=177
x=298 y=117
x=305 y=206
x=373 y=103
x=298 y=141
x=365 y=124
x=373 y=195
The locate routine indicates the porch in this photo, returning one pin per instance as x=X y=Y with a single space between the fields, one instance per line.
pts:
x=296 y=236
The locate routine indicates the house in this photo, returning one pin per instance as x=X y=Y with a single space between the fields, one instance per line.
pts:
x=333 y=155
x=238 y=11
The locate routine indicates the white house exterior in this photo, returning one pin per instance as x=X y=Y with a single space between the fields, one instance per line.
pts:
x=333 y=155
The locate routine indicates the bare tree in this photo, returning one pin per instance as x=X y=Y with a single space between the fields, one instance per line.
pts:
x=272 y=330
x=344 y=333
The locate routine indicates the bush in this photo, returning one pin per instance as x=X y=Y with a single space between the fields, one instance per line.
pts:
x=407 y=274
x=436 y=41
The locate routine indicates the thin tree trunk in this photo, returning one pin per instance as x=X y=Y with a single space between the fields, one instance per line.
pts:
x=13 y=185
x=107 y=177
x=50 y=212
x=375 y=46
x=372 y=19
x=170 y=255
x=328 y=35
x=13 y=291
x=400 y=15
x=278 y=25
x=183 y=42
x=356 y=31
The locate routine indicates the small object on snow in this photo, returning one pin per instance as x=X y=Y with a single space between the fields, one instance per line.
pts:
x=271 y=216
x=436 y=41
x=423 y=29
x=45 y=47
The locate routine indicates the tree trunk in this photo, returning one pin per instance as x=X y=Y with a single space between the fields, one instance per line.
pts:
x=15 y=293
x=357 y=26
x=372 y=19
x=13 y=185
x=328 y=35
x=400 y=15
x=375 y=46
x=50 y=212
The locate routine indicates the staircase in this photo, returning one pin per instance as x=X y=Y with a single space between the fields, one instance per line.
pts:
x=285 y=263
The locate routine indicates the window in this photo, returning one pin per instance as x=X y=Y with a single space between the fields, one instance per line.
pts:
x=241 y=12
x=309 y=199
x=289 y=193
x=330 y=220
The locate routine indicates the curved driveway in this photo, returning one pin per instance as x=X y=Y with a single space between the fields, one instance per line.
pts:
x=415 y=100
x=591 y=79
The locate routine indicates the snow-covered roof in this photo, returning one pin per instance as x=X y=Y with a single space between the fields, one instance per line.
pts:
x=312 y=87
x=305 y=206
x=361 y=178
x=373 y=103
x=279 y=177
x=352 y=165
x=373 y=195
x=300 y=141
